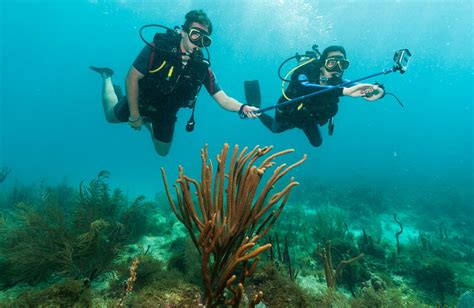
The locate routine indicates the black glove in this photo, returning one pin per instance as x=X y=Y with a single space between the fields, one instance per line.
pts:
x=242 y=115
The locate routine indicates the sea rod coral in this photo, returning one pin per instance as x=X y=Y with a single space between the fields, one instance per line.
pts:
x=228 y=216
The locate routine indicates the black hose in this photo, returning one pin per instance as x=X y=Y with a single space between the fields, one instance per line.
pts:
x=401 y=104
x=140 y=32
x=168 y=30
x=283 y=63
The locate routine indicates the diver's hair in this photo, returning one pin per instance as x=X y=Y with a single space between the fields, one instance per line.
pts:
x=198 y=16
x=332 y=49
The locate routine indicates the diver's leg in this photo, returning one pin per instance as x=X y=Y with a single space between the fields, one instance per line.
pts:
x=162 y=132
x=272 y=124
x=162 y=148
x=109 y=99
x=266 y=120
x=314 y=135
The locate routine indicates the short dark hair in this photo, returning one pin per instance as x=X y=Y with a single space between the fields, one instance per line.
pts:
x=332 y=49
x=198 y=16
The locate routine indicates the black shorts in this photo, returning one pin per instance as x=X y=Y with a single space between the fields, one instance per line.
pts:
x=163 y=123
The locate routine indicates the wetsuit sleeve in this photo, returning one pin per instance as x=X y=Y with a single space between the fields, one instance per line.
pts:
x=303 y=80
x=210 y=82
x=141 y=62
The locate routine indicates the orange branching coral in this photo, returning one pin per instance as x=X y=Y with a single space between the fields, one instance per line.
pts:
x=130 y=281
x=226 y=217
x=329 y=272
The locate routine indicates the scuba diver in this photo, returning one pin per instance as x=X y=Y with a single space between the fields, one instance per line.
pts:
x=315 y=73
x=167 y=75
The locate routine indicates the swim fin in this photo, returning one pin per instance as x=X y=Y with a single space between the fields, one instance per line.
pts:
x=102 y=70
x=252 y=93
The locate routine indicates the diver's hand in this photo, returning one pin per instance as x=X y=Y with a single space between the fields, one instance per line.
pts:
x=376 y=93
x=135 y=122
x=248 y=111
x=368 y=91
x=251 y=112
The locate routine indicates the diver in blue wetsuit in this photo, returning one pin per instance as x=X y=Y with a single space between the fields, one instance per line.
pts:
x=309 y=77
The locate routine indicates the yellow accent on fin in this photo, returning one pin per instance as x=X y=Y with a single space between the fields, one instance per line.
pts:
x=170 y=72
x=300 y=106
x=158 y=69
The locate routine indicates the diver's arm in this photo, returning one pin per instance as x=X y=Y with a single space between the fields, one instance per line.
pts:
x=369 y=92
x=305 y=82
x=131 y=82
x=231 y=104
x=303 y=79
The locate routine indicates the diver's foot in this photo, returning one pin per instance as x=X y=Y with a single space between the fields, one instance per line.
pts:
x=103 y=71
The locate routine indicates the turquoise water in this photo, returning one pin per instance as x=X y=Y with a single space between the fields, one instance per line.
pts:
x=53 y=129
x=53 y=126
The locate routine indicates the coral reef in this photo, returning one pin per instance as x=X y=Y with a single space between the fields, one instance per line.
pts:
x=78 y=240
x=227 y=228
x=71 y=293
x=280 y=290
x=66 y=247
x=329 y=271
x=437 y=277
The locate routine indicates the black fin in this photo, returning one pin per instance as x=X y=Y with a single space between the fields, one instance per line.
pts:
x=252 y=93
x=102 y=70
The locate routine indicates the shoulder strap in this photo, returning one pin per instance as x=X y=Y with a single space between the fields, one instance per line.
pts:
x=159 y=41
x=151 y=58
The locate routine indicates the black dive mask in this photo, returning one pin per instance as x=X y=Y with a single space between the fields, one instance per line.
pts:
x=199 y=37
x=333 y=64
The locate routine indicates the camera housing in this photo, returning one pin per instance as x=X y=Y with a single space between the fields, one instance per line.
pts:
x=402 y=58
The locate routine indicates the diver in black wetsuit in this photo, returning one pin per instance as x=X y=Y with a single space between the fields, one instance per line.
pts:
x=318 y=110
x=164 y=78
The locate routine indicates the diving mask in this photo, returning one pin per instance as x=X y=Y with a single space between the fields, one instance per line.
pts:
x=332 y=64
x=199 y=37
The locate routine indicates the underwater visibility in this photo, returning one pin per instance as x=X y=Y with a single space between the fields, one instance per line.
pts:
x=199 y=153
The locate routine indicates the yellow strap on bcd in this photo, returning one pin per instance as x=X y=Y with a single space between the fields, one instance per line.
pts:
x=159 y=68
x=290 y=72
